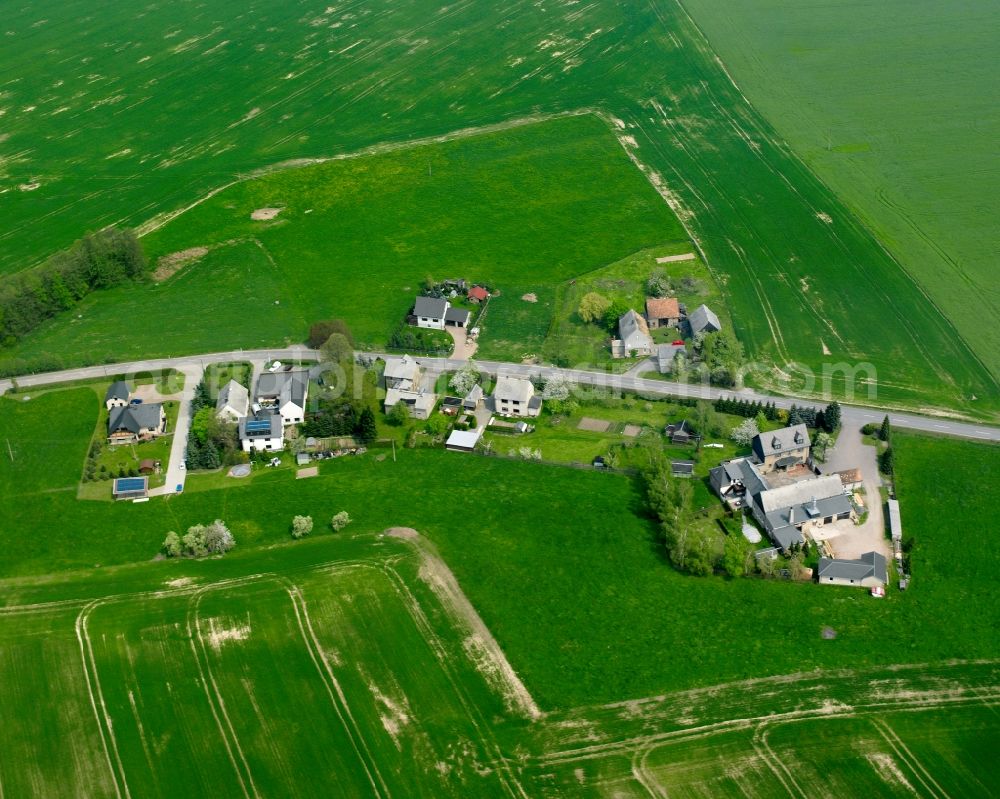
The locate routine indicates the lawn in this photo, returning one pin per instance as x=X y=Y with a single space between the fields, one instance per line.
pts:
x=801 y=275
x=893 y=105
x=585 y=531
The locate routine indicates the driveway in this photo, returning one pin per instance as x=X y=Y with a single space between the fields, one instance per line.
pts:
x=176 y=476
x=851 y=452
x=464 y=347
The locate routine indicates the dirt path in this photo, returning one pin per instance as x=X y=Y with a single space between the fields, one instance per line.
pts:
x=481 y=647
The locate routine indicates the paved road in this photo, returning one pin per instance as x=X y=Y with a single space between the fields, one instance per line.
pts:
x=852 y=414
x=176 y=475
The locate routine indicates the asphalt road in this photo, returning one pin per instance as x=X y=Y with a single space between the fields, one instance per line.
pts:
x=854 y=414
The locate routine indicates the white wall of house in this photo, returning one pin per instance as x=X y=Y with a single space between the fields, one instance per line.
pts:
x=291 y=414
x=263 y=444
x=116 y=402
x=430 y=322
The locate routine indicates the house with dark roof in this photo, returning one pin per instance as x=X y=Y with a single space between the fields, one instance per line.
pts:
x=703 y=320
x=118 y=395
x=786 y=512
x=263 y=431
x=437 y=313
x=781 y=449
x=679 y=432
x=662 y=312
x=634 y=338
x=130 y=424
x=867 y=571
x=285 y=392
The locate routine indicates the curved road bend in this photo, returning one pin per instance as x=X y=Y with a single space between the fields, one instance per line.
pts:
x=194 y=365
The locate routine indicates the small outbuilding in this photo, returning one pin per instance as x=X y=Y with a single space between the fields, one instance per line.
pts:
x=703 y=320
x=662 y=312
x=130 y=488
x=682 y=468
x=463 y=440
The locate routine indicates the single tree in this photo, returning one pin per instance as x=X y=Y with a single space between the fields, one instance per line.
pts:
x=194 y=541
x=366 y=430
x=398 y=415
x=337 y=349
x=831 y=417
x=218 y=538
x=593 y=306
x=301 y=526
x=885 y=431
x=340 y=521
x=736 y=555
x=556 y=388
x=822 y=443
x=465 y=378
x=744 y=432
x=319 y=332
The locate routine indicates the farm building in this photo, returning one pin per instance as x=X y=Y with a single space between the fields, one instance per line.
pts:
x=895 y=522
x=515 y=396
x=679 y=432
x=474 y=398
x=867 y=571
x=420 y=403
x=703 y=320
x=233 y=402
x=262 y=432
x=130 y=424
x=634 y=338
x=130 y=488
x=403 y=373
x=285 y=392
x=666 y=356
x=662 y=312
x=118 y=395
x=682 y=468
x=478 y=294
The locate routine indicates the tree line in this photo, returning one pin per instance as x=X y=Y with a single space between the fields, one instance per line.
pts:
x=98 y=261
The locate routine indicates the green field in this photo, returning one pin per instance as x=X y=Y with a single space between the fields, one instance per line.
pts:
x=168 y=112
x=893 y=105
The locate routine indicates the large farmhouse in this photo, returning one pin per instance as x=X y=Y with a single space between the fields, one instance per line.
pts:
x=263 y=431
x=284 y=392
x=784 y=506
x=662 y=312
x=129 y=424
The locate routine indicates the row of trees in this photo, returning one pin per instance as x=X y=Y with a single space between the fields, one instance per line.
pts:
x=747 y=409
x=99 y=260
x=303 y=525
x=200 y=540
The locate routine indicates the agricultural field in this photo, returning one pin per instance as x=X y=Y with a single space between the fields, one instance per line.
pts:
x=502 y=208
x=894 y=106
x=165 y=113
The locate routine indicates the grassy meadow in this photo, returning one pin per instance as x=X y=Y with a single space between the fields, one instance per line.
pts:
x=893 y=105
x=128 y=114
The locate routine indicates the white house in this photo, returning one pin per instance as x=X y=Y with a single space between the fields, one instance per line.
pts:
x=233 y=402
x=263 y=431
x=284 y=392
x=437 y=313
x=515 y=396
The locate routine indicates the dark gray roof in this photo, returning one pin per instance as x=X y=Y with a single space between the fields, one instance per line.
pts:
x=535 y=402
x=457 y=315
x=430 y=307
x=135 y=417
x=284 y=386
x=633 y=330
x=778 y=442
x=703 y=320
x=682 y=467
x=871 y=564
x=665 y=355
x=782 y=523
x=274 y=431
x=118 y=390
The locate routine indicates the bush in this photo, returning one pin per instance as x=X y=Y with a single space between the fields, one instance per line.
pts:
x=869 y=429
x=320 y=332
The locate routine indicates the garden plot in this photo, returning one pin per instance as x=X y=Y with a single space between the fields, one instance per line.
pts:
x=593 y=425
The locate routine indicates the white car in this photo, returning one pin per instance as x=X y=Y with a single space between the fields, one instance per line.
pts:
x=182 y=466
x=714 y=446
x=274 y=367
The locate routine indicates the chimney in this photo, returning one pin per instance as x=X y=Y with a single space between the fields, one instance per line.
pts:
x=815 y=507
x=791 y=515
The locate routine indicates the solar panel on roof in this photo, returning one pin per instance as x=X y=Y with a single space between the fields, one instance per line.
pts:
x=130 y=483
x=259 y=426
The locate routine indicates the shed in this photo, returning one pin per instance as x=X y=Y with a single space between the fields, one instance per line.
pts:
x=682 y=468
x=463 y=440
x=302 y=459
x=147 y=466
x=130 y=488
x=895 y=523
